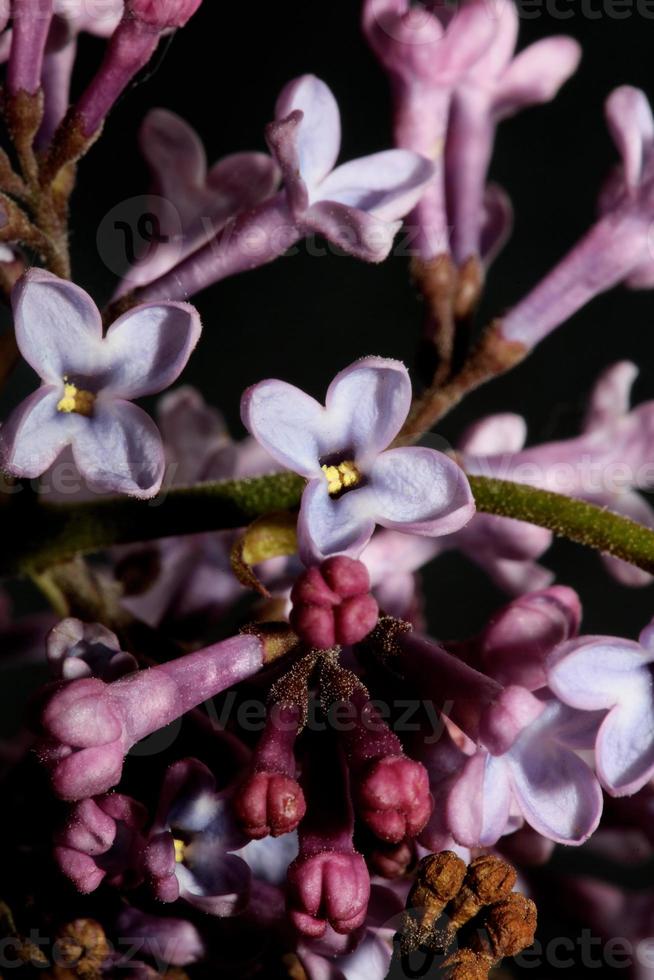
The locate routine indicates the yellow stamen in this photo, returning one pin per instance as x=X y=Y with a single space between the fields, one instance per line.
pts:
x=180 y=850
x=76 y=400
x=341 y=477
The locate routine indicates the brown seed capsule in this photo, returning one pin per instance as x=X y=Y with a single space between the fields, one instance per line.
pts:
x=439 y=879
x=487 y=880
x=466 y=965
x=508 y=927
x=82 y=948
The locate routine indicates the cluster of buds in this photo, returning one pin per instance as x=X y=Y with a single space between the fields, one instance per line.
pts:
x=473 y=908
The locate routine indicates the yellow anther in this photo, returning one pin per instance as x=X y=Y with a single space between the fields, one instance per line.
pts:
x=341 y=477
x=180 y=850
x=76 y=400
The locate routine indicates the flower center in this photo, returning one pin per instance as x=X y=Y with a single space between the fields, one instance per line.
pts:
x=76 y=400
x=341 y=477
x=180 y=850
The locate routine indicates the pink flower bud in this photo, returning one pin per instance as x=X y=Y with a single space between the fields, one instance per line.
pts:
x=162 y=14
x=332 y=604
x=269 y=803
x=393 y=797
x=329 y=887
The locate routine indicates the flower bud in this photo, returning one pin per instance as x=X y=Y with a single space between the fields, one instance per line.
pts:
x=332 y=604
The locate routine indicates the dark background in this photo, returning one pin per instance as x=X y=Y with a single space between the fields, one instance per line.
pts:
x=303 y=318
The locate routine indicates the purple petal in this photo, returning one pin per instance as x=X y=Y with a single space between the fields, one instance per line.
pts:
x=421 y=491
x=319 y=135
x=288 y=423
x=497 y=223
x=356 y=232
x=557 y=792
x=58 y=326
x=630 y=122
x=502 y=433
x=218 y=886
x=328 y=526
x=624 y=750
x=597 y=671
x=610 y=398
x=498 y=53
x=174 y=153
x=119 y=449
x=148 y=347
x=192 y=432
x=36 y=433
x=479 y=804
x=537 y=74
x=367 y=403
x=387 y=184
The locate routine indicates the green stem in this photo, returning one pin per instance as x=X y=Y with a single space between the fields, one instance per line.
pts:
x=36 y=535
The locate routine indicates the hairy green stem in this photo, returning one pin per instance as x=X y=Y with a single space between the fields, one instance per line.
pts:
x=36 y=535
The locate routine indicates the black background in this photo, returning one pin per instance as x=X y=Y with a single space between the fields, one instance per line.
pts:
x=304 y=318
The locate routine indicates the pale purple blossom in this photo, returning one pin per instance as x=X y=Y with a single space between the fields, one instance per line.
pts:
x=519 y=759
x=608 y=464
x=617 y=248
x=88 y=381
x=613 y=676
x=357 y=206
x=352 y=483
x=189 y=852
x=194 y=202
x=496 y=85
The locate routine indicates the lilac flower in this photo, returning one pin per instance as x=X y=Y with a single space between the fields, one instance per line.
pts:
x=89 y=726
x=606 y=465
x=188 y=855
x=357 y=206
x=194 y=203
x=520 y=756
x=495 y=85
x=166 y=939
x=87 y=381
x=102 y=840
x=427 y=50
x=614 y=676
x=75 y=649
x=353 y=484
x=617 y=248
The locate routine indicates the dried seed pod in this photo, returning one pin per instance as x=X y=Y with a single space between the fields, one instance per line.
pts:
x=83 y=947
x=487 y=880
x=465 y=964
x=508 y=927
x=439 y=878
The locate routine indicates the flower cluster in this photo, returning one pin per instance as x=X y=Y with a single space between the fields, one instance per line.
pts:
x=246 y=744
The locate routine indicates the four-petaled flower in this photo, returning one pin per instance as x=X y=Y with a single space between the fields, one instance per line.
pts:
x=613 y=675
x=87 y=381
x=353 y=484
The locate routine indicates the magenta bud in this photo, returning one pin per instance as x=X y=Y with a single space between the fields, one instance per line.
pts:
x=328 y=888
x=162 y=14
x=269 y=803
x=393 y=798
x=332 y=604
